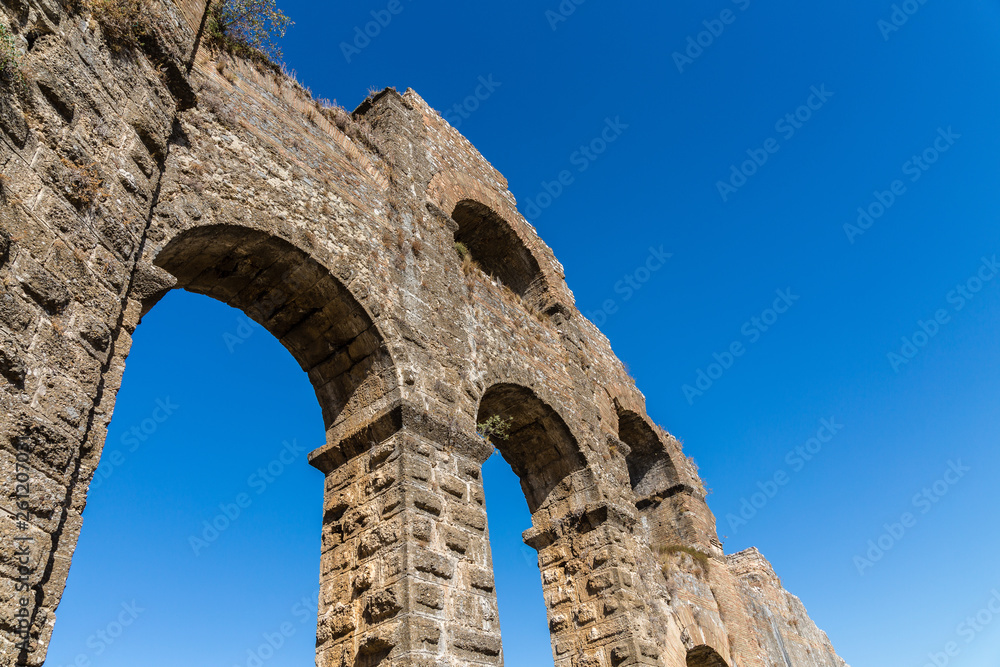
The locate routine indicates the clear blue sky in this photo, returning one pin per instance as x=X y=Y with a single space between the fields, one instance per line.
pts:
x=889 y=95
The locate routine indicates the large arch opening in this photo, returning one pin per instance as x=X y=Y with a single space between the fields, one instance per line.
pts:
x=704 y=656
x=540 y=453
x=284 y=291
x=497 y=249
x=517 y=579
x=204 y=517
x=297 y=300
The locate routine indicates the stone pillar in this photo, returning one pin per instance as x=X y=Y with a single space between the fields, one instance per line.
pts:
x=595 y=607
x=406 y=574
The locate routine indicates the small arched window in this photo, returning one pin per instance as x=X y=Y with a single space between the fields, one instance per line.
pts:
x=497 y=249
x=704 y=656
x=650 y=468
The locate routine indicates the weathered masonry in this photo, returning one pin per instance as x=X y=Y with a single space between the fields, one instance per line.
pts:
x=128 y=174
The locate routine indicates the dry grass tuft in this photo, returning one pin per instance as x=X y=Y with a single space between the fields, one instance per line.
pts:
x=469 y=266
x=700 y=558
x=125 y=23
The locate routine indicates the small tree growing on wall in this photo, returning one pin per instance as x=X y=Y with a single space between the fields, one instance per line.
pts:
x=494 y=428
x=247 y=28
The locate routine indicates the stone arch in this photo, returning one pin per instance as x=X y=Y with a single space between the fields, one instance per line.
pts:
x=456 y=192
x=704 y=656
x=540 y=448
x=575 y=528
x=497 y=249
x=298 y=300
x=650 y=468
x=669 y=499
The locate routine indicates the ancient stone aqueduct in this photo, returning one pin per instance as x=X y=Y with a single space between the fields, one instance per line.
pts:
x=129 y=174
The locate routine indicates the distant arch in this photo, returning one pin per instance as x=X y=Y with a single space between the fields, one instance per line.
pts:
x=704 y=656
x=650 y=468
x=294 y=297
x=540 y=448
